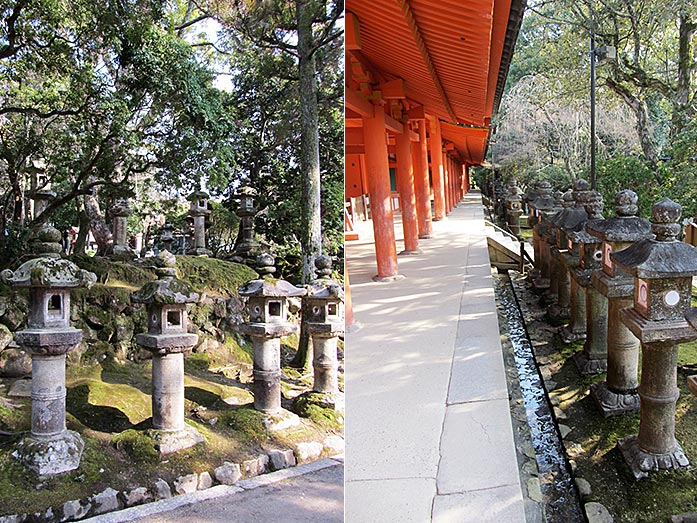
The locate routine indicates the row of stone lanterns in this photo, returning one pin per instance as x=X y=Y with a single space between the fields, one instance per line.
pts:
x=637 y=281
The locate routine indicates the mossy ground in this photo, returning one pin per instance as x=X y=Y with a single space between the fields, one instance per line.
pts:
x=215 y=277
x=598 y=460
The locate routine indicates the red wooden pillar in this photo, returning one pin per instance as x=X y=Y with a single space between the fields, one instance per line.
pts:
x=348 y=304
x=436 y=148
x=447 y=174
x=405 y=187
x=422 y=186
x=378 y=174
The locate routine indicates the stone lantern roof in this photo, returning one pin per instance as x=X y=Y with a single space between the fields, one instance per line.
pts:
x=167 y=289
x=267 y=286
x=324 y=286
x=198 y=195
x=544 y=200
x=664 y=256
x=626 y=226
x=122 y=207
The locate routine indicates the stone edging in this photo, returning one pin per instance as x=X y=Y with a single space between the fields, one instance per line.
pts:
x=106 y=506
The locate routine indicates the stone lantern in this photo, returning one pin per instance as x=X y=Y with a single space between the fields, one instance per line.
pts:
x=547 y=237
x=120 y=213
x=618 y=394
x=662 y=269
x=325 y=323
x=514 y=208
x=268 y=321
x=542 y=203
x=50 y=448
x=167 y=338
x=167 y=237
x=245 y=244
x=593 y=358
x=198 y=210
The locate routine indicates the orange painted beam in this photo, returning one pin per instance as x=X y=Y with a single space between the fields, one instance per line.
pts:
x=378 y=174
x=407 y=198
x=352 y=32
x=422 y=187
x=392 y=90
x=355 y=101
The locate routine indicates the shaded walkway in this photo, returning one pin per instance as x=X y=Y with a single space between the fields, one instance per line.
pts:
x=428 y=423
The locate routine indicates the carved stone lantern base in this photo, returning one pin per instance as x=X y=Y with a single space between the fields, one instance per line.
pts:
x=641 y=462
x=200 y=252
x=123 y=253
x=50 y=455
x=614 y=403
x=586 y=365
x=168 y=441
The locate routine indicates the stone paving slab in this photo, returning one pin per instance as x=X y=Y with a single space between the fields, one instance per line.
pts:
x=426 y=394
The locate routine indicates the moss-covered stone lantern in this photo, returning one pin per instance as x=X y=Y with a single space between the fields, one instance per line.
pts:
x=167 y=338
x=618 y=394
x=325 y=323
x=198 y=210
x=547 y=238
x=514 y=208
x=662 y=269
x=245 y=246
x=268 y=321
x=542 y=202
x=50 y=448
x=167 y=237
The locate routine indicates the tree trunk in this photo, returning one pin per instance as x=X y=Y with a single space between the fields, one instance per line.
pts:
x=681 y=101
x=311 y=241
x=98 y=226
x=80 y=246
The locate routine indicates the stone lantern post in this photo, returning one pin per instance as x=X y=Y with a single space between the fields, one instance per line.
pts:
x=41 y=192
x=541 y=203
x=618 y=394
x=547 y=238
x=662 y=269
x=120 y=213
x=167 y=338
x=198 y=210
x=268 y=321
x=50 y=448
x=514 y=208
x=593 y=358
x=167 y=237
x=244 y=243
x=325 y=324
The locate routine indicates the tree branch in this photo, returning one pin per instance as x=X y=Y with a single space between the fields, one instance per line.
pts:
x=11 y=48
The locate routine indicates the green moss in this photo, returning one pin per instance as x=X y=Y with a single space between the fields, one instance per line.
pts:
x=243 y=353
x=313 y=405
x=138 y=445
x=247 y=423
x=207 y=393
x=115 y=273
x=15 y=419
x=197 y=361
x=213 y=276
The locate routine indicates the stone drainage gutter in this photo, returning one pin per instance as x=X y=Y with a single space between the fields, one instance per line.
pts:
x=112 y=506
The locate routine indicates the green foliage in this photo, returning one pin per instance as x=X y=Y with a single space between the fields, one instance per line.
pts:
x=138 y=445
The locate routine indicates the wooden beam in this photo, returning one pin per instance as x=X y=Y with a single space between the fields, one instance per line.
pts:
x=393 y=90
x=417 y=113
x=357 y=103
x=352 y=32
x=353 y=122
x=354 y=136
x=391 y=124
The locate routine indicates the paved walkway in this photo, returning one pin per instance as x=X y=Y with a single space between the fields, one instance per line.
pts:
x=428 y=429
x=311 y=493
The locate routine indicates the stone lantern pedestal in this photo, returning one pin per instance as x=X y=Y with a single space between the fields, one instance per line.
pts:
x=198 y=210
x=618 y=394
x=120 y=213
x=545 y=206
x=50 y=448
x=168 y=340
x=593 y=358
x=268 y=322
x=662 y=269
x=325 y=323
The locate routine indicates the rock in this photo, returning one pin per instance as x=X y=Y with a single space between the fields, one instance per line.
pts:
x=186 y=484
x=564 y=430
x=530 y=467
x=334 y=445
x=281 y=459
x=534 y=490
x=16 y=312
x=15 y=363
x=137 y=496
x=308 y=451
x=20 y=389
x=14 y=518
x=584 y=488
x=254 y=467
x=5 y=337
x=597 y=513
x=75 y=510
x=162 y=489
x=560 y=414
x=123 y=328
x=106 y=501
x=204 y=481
x=228 y=473
x=572 y=464
x=687 y=517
